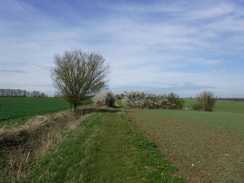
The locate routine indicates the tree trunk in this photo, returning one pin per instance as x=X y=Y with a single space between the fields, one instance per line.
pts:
x=73 y=107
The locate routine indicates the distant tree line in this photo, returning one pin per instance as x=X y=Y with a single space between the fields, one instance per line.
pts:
x=21 y=93
x=233 y=99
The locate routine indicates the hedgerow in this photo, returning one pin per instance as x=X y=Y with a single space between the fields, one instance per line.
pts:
x=135 y=99
x=175 y=102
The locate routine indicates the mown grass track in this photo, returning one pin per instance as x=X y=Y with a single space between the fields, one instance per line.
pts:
x=106 y=147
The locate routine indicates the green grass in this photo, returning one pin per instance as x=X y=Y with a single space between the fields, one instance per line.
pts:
x=189 y=102
x=106 y=147
x=206 y=146
x=229 y=106
x=15 y=111
x=119 y=102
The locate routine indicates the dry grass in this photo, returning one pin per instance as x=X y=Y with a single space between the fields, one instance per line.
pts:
x=20 y=147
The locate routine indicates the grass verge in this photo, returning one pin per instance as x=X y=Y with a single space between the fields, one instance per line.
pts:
x=119 y=102
x=15 y=111
x=20 y=147
x=106 y=147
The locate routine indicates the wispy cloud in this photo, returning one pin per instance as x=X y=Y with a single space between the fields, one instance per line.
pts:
x=15 y=71
x=216 y=11
x=183 y=46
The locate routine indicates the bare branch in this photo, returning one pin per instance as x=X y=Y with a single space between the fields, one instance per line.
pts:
x=77 y=74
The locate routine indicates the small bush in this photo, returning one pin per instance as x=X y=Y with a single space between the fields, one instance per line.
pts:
x=175 y=102
x=205 y=101
x=196 y=107
x=104 y=98
x=121 y=96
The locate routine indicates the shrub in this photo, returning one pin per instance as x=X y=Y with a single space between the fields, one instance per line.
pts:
x=205 y=101
x=136 y=99
x=175 y=102
x=104 y=98
x=156 y=101
x=121 y=96
x=196 y=107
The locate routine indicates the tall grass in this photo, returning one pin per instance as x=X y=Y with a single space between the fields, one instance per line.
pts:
x=20 y=147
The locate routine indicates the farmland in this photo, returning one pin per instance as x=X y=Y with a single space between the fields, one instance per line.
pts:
x=205 y=146
x=106 y=147
x=221 y=105
x=16 y=110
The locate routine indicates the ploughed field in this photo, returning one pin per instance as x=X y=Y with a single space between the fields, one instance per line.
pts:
x=205 y=146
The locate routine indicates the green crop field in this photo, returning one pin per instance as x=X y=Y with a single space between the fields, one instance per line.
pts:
x=229 y=106
x=221 y=105
x=15 y=111
x=205 y=146
x=107 y=146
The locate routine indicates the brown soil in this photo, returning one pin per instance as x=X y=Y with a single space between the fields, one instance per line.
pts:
x=197 y=162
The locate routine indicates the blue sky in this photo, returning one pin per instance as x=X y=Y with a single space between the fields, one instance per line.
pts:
x=181 y=46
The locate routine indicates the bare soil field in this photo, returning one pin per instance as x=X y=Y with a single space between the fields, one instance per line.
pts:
x=206 y=147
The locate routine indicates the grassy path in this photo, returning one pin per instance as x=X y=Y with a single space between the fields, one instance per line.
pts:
x=106 y=147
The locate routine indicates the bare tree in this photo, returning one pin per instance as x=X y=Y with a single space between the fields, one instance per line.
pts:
x=77 y=74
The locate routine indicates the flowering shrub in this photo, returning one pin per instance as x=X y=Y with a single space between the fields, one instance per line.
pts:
x=136 y=99
x=104 y=98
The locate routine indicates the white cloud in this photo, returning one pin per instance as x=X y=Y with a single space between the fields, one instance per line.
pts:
x=229 y=24
x=153 y=7
x=218 y=10
x=154 y=46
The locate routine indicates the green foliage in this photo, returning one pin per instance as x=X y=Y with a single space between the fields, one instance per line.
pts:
x=175 y=101
x=205 y=101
